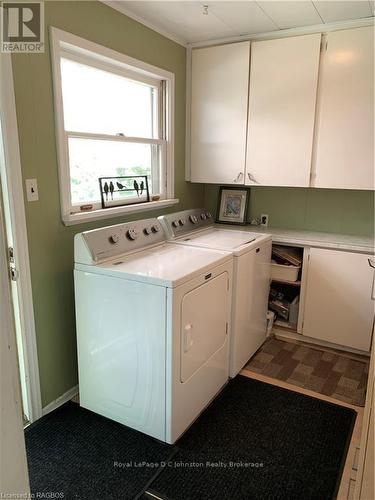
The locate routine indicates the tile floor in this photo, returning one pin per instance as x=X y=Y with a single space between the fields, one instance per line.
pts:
x=327 y=372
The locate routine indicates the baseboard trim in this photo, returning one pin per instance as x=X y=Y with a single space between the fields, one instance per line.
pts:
x=67 y=396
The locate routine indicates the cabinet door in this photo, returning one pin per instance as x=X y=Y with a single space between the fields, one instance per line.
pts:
x=345 y=139
x=338 y=305
x=282 y=95
x=220 y=79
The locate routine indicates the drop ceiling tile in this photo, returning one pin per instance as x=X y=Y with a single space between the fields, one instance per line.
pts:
x=291 y=14
x=183 y=19
x=342 y=10
x=242 y=17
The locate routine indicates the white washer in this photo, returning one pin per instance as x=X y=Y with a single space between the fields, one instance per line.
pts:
x=251 y=275
x=152 y=326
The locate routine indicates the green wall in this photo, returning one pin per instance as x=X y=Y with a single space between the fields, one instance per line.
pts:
x=50 y=242
x=327 y=210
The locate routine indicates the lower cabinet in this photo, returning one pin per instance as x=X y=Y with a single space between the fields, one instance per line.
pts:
x=338 y=306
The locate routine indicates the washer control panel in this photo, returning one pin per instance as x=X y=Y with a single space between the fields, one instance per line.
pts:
x=92 y=247
x=180 y=223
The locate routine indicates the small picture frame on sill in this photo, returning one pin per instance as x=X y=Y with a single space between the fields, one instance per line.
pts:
x=232 y=205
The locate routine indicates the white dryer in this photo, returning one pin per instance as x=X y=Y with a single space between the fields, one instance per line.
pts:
x=251 y=275
x=152 y=326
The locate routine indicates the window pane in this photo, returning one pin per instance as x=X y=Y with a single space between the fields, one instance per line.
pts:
x=101 y=102
x=90 y=159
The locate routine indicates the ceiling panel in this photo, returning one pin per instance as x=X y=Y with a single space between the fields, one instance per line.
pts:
x=183 y=19
x=291 y=14
x=242 y=17
x=342 y=10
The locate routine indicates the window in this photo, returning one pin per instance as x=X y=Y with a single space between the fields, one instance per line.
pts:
x=113 y=118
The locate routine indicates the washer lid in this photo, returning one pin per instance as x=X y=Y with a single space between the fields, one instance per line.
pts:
x=165 y=265
x=228 y=240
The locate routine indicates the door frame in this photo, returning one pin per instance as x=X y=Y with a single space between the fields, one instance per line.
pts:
x=17 y=208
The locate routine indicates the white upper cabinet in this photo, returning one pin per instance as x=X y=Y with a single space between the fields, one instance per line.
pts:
x=219 y=94
x=282 y=97
x=345 y=133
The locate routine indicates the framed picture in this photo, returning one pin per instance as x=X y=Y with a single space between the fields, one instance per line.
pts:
x=232 y=205
x=124 y=190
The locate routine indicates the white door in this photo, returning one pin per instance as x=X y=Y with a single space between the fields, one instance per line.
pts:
x=220 y=78
x=250 y=303
x=345 y=138
x=338 y=305
x=203 y=324
x=282 y=96
x=16 y=242
x=13 y=466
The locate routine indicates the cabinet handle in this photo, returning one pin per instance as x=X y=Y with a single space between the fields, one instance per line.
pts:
x=237 y=179
x=371 y=263
x=252 y=178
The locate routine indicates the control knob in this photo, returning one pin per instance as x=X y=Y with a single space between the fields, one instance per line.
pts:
x=155 y=229
x=114 y=238
x=203 y=216
x=193 y=219
x=208 y=215
x=175 y=223
x=181 y=222
x=132 y=234
x=147 y=231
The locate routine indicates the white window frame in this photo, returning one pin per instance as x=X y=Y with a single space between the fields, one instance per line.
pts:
x=65 y=44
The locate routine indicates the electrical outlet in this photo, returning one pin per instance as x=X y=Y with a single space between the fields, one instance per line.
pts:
x=31 y=190
x=264 y=220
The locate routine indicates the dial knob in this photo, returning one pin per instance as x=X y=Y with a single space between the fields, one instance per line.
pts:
x=181 y=222
x=132 y=234
x=193 y=219
x=155 y=229
x=147 y=231
x=208 y=215
x=175 y=223
x=203 y=216
x=114 y=238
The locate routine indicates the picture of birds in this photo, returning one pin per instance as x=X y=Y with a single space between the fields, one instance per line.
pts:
x=123 y=190
x=136 y=186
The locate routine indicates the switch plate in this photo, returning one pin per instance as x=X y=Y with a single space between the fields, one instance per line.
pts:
x=31 y=190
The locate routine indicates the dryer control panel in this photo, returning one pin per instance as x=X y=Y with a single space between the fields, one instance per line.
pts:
x=93 y=247
x=180 y=223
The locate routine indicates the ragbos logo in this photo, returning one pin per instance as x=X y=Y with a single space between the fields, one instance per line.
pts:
x=22 y=27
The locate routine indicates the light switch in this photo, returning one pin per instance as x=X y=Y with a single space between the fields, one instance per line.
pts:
x=32 y=189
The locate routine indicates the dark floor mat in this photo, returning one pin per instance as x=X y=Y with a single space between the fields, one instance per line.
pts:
x=259 y=441
x=74 y=451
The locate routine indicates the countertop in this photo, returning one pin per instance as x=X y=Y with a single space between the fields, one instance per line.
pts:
x=363 y=244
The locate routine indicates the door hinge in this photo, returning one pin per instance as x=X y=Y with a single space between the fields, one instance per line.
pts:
x=13 y=273
x=11 y=254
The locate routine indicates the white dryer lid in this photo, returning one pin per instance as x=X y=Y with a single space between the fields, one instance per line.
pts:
x=166 y=265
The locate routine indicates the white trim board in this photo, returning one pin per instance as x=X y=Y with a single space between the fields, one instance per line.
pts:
x=67 y=396
x=303 y=30
x=16 y=200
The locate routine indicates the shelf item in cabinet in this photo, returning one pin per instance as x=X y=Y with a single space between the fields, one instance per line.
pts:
x=287 y=282
x=286 y=263
x=285 y=303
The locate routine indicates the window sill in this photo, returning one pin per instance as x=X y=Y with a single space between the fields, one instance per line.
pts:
x=107 y=213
